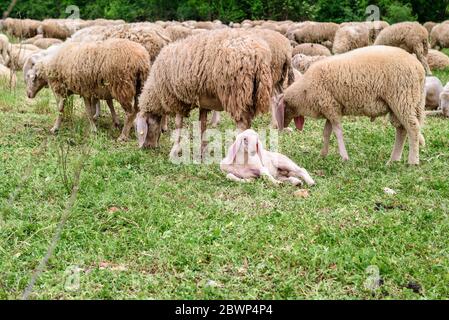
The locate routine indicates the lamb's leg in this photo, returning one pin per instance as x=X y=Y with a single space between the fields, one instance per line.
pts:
x=294 y=181
x=326 y=138
x=129 y=120
x=203 y=124
x=176 y=150
x=338 y=131
x=234 y=178
x=264 y=173
x=57 y=125
x=396 y=154
x=215 y=119
x=115 y=119
x=90 y=117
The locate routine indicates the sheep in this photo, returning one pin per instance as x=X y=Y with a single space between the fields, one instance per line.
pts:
x=178 y=32
x=439 y=36
x=106 y=70
x=6 y=76
x=247 y=159
x=437 y=60
x=444 y=101
x=410 y=36
x=46 y=42
x=371 y=81
x=302 y=62
x=33 y=39
x=434 y=87
x=16 y=55
x=25 y=28
x=351 y=37
x=318 y=32
x=429 y=26
x=220 y=70
x=311 y=49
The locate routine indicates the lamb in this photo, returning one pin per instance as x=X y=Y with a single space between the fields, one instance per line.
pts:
x=410 y=36
x=434 y=87
x=439 y=36
x=351 y=37
x=247 y=159
x=106 y=70
x=311 y=49
x=437 y=60
x=372 y=81
x=220 y=70
x=302 y=62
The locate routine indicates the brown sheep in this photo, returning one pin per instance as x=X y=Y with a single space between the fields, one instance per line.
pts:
x=372 y=81
x=437 y=60
x=111 y=69
x=46 y=42
x=302 y=62
x=410 y=36
x=429 y=26
x=317 y=32
x=220 y=70
x=439 y=36
x=311 y=49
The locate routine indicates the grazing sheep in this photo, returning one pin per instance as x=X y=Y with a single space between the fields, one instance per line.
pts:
x=317 y=32
x=19 y=28
x=302 y=62
x=351 y=37
x=439 y=36
x=437 y=60
x=178 y=32
x=6 y=76
x=444 y=101
x=311 y=49
x=106 y=70
x=434 y=87
x=410 y=36
x=247 y=159
x=46 y=42
x=429 y=26
x=16 y=55
x=33 y=39
x=371 y=81
x=220 y=70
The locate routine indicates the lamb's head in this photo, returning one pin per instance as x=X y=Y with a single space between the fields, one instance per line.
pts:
x=285 y=113
x=34 y=80
x=148 y=129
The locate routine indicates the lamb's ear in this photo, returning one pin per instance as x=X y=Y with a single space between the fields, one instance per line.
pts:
x=280 y=113
x=260 y=149
x=141 y=129
x=233 y=150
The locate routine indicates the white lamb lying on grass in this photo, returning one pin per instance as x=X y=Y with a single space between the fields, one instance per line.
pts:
x=247 y=159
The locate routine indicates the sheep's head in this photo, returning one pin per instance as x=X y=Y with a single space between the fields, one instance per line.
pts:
x=148 y=130
x=34 y=83
x=444 y=103
x=285 y=114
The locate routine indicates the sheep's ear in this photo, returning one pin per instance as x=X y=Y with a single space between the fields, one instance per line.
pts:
x=280 y=113
x=299 y=123
x=141 y=130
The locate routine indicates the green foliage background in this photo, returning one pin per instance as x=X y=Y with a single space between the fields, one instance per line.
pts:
x=233 y=10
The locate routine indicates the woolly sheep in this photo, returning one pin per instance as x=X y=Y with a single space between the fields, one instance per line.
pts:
x=178 y=32
x=318 y=32
x=6 y=76
x=410 y=36
x=444 y=101
x=311 y=49
x=46 y=42
x=429 y=26
x=111 y=69
x=302 y=62
x=439 y=36
x=220 y=70
x=16 y=55
x=33 y=39
x=19 y=28
x=434 y=87
x=437 y=60
x=371 y=81
x=351 y=37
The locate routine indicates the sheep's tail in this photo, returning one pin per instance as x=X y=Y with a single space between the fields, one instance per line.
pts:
x=263 y=88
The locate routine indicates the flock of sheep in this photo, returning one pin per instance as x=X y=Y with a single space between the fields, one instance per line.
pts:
x=295 y=70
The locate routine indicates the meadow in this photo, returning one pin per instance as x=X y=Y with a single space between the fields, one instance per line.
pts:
x=141 y=227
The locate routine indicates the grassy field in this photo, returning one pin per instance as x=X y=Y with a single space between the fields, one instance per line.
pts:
x=144 y=228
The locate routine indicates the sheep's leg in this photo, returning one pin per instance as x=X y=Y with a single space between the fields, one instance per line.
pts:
x=264 y=173
x=97 y=111
x=274 y=121
x=414 y=135
x=164 y=123
x=176 y=150
x=396 y=154
x=338 y=131
x=57 y=125
x=294 y=181
x=115 y=119
x=129 y=120
x=215 y=119
x=326 y=138
x=234 y=178
x=203 y=124
x=243 y=124
x=89 y=107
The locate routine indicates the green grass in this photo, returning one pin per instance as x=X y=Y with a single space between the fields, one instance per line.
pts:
x=144 y=228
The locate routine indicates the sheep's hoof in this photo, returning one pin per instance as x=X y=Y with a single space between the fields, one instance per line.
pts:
x=345 y=159
x=288 y=129
x=122 y=139
x=324 y=153
x=54 y=130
